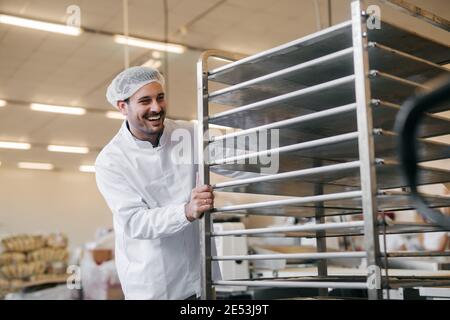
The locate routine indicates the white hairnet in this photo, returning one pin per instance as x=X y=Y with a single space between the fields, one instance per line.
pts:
x=126 y=83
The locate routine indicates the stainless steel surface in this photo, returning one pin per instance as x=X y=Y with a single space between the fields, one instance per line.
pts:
x=303 y=182
x=314 y=227
x=342 y=147
x=386 y=200
x=384 y=113
x=301 y=101
x=321 y=173
x=286 y=163
x=325 y=42
x=240 y=155
x=296 y=211
x=330 y=122
x=307 y=48
x=292 y=284
x=319 y=97
x=385 y=87
x=395 y=228
x=309 y=256
x=404 y=65
x=292 y=201
x=389 y=176
x=411 y=42
x=333 y=66
x=297 y=124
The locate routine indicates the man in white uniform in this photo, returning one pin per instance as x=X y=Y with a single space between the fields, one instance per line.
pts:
x=151 y=193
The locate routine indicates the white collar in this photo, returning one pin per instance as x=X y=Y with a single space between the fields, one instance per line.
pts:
x=147 y=144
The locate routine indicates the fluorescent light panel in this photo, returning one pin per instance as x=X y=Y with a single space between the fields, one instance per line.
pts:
x=115 y=115
x=40 y=25
x=67 y=149
x=14 y=145
x=152 y=63
x=57 y=109
x=155 y=45
x=156 y=54
x=86 y=168
x=2 y=103
x=35 y=165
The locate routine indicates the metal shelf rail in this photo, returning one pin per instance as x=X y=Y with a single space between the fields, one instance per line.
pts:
x=333 y=96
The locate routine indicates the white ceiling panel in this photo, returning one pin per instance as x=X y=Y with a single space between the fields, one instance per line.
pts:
x=16 y=6
x=19 y=122
x=193 y=8
x=63 y=70
x=62 y=44
x=23 y=124
x=291 y=9
x=92 y=131
x=254 y=5
x=64 y=161
x=229 y=13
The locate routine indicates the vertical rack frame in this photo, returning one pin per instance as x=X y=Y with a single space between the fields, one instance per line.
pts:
x=322 y=265
x=207 y=291
x=366 y=148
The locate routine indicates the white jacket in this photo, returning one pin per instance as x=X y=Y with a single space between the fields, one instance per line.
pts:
x=146 y=188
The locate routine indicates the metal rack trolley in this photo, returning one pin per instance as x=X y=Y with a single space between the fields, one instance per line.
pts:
x=333 y=96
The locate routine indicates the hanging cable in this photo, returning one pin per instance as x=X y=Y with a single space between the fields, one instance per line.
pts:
x=126 y=53
x=317 y=12
x=330 y=16
x=166 y=40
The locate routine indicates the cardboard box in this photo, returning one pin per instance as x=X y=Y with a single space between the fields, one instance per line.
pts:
x=102 y=255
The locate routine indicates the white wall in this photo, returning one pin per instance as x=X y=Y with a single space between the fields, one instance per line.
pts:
x=35 y=201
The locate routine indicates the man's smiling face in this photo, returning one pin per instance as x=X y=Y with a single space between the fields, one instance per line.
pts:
x=145 y=111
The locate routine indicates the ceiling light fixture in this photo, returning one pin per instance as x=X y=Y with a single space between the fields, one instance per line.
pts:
x=67 y=149
x=155 y=45
x=14 y=145
x=58 y=109
x=35 y=165
x=152 y=63
x=115 y=115
x=3 y=103
x=156 y=54
x=40 y=25
x=89 y=169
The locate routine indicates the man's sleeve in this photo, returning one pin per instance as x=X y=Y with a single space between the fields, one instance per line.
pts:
x=132 y=213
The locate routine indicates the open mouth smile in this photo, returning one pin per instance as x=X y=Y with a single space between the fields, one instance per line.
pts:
x=154 y=117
